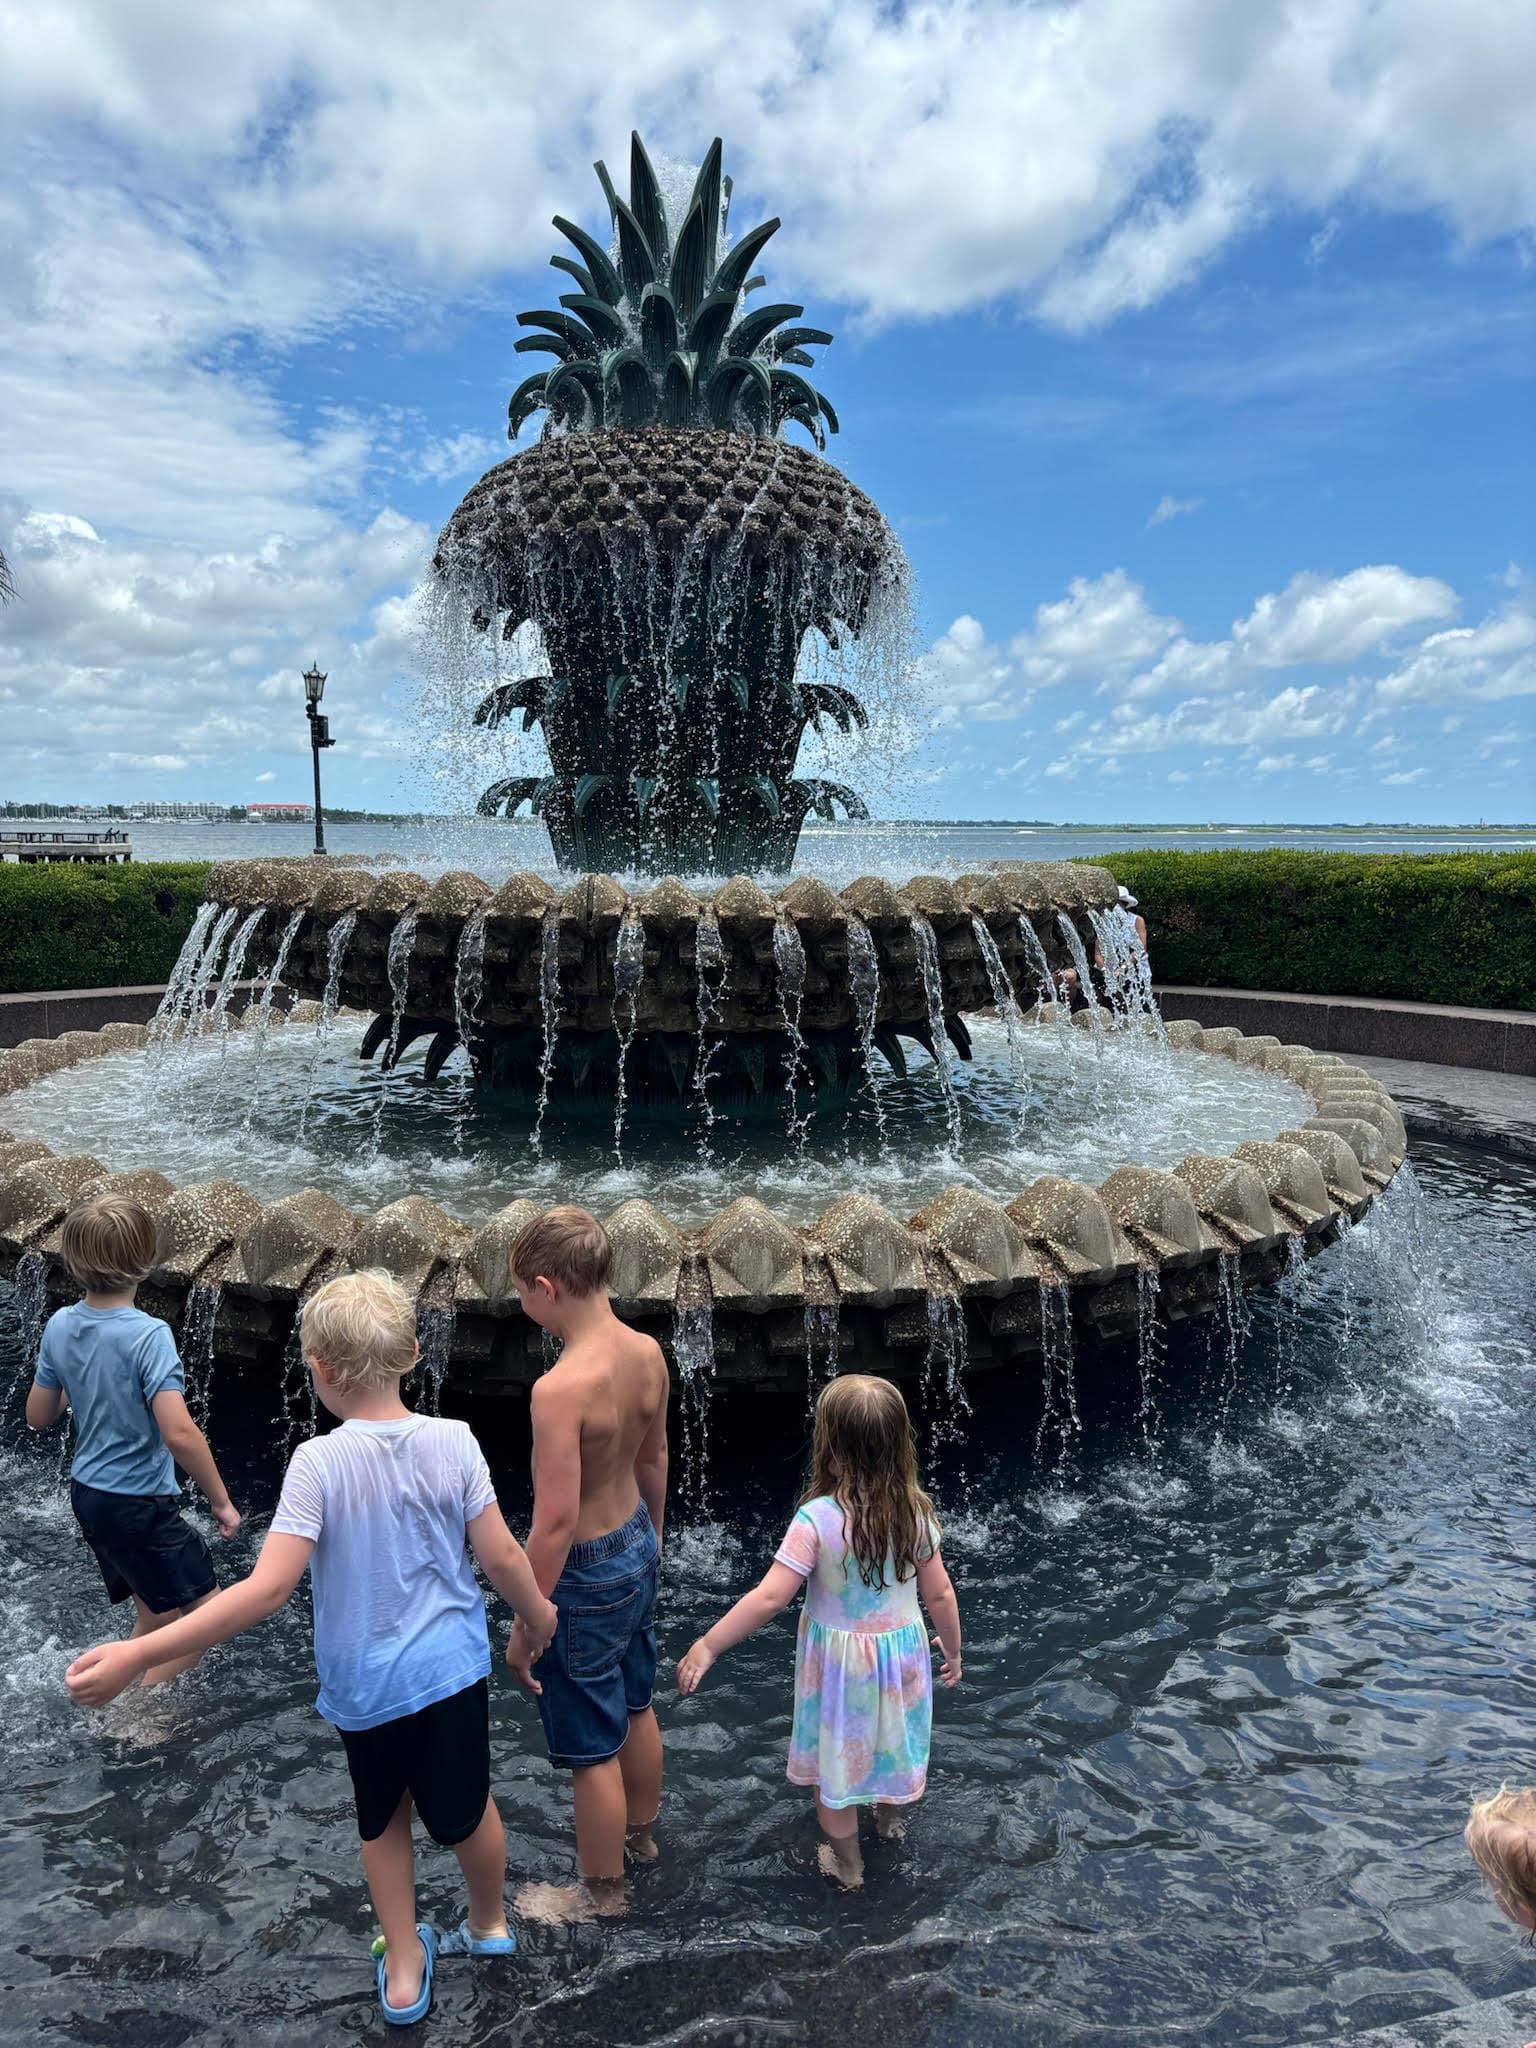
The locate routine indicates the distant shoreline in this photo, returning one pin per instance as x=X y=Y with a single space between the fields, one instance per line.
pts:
x=1213 y=830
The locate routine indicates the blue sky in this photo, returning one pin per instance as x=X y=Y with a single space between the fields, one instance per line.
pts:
x=1189 y=351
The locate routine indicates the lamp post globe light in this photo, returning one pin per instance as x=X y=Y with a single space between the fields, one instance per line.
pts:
x=319 y=736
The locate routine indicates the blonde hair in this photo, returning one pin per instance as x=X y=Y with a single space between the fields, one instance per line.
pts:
x=1501 y=1833
x=864 y=1455
x=565 y=1244
x=108 y=1243
x=362 y=1328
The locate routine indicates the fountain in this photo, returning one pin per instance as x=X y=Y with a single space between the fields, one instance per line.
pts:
x=677 y=556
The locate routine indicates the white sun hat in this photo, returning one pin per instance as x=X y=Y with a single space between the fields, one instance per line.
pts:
x=1127 y=900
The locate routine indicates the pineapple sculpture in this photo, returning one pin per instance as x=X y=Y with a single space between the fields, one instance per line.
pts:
x=673 y=547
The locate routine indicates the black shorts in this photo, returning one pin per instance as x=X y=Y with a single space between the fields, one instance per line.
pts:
x=144 y=1545
x=440 y=1755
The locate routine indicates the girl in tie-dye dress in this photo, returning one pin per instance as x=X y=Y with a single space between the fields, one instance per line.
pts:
x=865 y=1545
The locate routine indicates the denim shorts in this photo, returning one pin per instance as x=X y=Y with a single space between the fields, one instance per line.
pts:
x=601 y=1666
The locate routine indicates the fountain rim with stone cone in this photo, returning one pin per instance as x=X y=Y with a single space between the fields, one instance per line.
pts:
x=660 y=373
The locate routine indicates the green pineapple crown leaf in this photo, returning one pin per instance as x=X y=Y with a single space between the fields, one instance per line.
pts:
x=657 y=337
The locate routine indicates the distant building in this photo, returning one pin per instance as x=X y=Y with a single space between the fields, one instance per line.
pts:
x=281 y=814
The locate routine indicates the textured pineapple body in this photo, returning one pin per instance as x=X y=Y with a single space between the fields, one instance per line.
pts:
x=673 y=573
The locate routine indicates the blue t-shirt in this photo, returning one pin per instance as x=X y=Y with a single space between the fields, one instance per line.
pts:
x=112 y=1362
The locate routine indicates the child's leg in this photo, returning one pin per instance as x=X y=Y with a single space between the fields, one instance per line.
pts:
x=483 y=1860
x=640 y=1765
x=601 y=1821
x=390 y=1863
x=840 y=1855
x=146 y=1622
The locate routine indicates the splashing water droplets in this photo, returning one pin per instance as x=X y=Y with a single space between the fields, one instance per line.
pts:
x=927 y=949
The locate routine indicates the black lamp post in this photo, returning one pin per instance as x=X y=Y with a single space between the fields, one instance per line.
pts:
x=319 y=736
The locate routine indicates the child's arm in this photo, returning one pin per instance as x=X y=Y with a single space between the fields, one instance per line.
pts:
x=556 y=1479
x=100 y=1675
x=938 y=1597
x=189 y=1447
x=778 y=1587
x=651 y=1464
x=501 y=1557
x=45 y=1405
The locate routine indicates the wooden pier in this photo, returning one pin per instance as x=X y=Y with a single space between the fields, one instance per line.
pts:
x=67 y=846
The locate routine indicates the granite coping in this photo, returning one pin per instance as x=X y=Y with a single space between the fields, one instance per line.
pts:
x=1443 y=1034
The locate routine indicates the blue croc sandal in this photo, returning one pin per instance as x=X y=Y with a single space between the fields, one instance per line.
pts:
x=462 y=1943
x=408 y=2015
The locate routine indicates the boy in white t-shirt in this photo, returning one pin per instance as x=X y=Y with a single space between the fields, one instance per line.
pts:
x=380 y=1510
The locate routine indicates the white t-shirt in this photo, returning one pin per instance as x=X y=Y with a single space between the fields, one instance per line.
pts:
x=399 y=1617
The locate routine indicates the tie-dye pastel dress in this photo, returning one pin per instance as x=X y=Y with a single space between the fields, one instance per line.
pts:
x=863 y=1672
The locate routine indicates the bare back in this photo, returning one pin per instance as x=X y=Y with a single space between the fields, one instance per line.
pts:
x=610 y=1387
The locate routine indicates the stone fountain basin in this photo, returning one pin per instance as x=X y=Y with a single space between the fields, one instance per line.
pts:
x=756 y=1274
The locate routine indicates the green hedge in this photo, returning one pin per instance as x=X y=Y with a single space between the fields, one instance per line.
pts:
x=94 y=926
x=1426 y=928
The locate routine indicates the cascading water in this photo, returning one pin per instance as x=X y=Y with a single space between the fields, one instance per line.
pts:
x=1288 y=1299
x=822 y=1337
x=927 y=948
x=944 y=1364
x=195 y=1342
x=1079 y=952
x=1007 y=1009
x=337 y=942
x=864 y=983
x=1149 y=1351
x=1058 y=1374
x=710 y=969
x=217 y=1020
x=628 y=974
x=1050 y=988
x=434 y=1330
x=1127 y=970
x=31 y=1299
x=398 y=967
x=468 y=987
x=1234 y=1321
x=789 y=958
x=167 y=1018
x=264 y=1011
x=549 y=1010
x=189 y=1018
x=693 y=1347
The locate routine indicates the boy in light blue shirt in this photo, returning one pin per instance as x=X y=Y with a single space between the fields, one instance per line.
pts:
x=383 y=1513
x=118 y=1371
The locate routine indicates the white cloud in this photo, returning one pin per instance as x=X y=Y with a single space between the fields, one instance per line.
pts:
x=1405 y=775
x=1487 y=662
x=1339 y=618
x=267 y=775
x=1168 y=508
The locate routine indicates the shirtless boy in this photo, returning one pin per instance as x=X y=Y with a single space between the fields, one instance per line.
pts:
x=599 y=1494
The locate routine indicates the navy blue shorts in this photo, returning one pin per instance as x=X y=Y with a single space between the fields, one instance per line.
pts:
x=144 y=1545
x=601 y=1666
x=440 y=1754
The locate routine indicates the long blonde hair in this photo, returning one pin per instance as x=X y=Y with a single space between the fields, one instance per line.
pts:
x=863 y=1454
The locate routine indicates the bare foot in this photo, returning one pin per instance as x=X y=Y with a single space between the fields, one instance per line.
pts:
x=890 y=1824
x=562 y=1905
x=846 y=1870
x=640 y=1844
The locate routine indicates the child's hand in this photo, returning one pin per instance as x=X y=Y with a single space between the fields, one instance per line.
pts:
x=692 y=1667
x=540 y=1633
x=99 y=1675
x=228 y=1519
x=521 y=1657
x=949 y=1667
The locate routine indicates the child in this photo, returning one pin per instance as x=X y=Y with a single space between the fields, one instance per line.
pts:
x=599 y=1492
x=379 y=1510
x=1501 y=1833
x=866 y=1543
x=118 y=1369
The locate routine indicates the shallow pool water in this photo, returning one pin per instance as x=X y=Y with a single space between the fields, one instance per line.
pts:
x=302 y=1110
x=1232 y=1676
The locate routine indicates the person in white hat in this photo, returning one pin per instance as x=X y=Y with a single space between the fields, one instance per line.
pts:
x=1133 y=938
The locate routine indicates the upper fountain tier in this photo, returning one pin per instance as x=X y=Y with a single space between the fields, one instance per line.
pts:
x=674 y=551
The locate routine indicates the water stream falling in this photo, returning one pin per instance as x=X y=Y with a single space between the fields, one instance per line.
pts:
x=1007 y=1009
x=944 y=1363
x=927 y=947
x=693 y=1347
x=468 y=987
x=434 y=1332
x=187 y=1020
x=1058 y=1375
x=1149 y=1351
x=337 y=941
x=195 y=1341
x=710 y=968
x=822 y=1337
x=398 y=968
x=1234 y=1321
x=1127 y=970
x=1050 y=988
x=264 y=1011
x=215 y=1021
x=549 y=1010
x=864 y=983
x=628 y=974
x=789 y=957
x=1079 y=952
x=31 y=1283
x=173 y=1004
